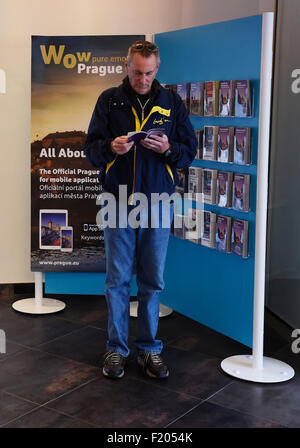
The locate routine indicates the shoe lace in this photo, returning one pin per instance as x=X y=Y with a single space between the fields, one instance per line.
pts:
x=156 y=359
x=113 y=357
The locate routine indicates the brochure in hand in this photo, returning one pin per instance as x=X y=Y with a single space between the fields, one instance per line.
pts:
x=137 y=136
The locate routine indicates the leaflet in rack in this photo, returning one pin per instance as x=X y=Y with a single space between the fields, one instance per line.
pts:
x=209 y=184
x=241 y=146
x=178 y=226
x=197 y=98
x=224 y=189
x=211 y=98
x=184 y=93
x=239 y=241
x=208 y=230
x=172 y=87
x=210 y=142
x=225 y=144
x=241 y=192
x=195 y=183
x=182 y=186
x=199 y=136
x=223 y=233
x=243 y=104
x=226 y=98
x=193 y=227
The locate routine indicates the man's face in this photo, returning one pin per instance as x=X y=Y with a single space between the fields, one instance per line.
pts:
x=141 y=72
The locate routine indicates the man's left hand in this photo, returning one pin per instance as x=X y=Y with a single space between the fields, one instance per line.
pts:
x=157 y=143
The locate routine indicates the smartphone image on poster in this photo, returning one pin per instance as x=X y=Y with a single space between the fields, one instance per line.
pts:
x=66 y=239
x=50 y=224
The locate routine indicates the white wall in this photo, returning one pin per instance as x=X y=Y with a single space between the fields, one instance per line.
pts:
x=19 y=19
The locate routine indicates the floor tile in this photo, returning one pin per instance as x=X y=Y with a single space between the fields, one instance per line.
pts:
x=277 y=334
x=171 y=327
x=11 y=348
x=84 y=309
x=123 y=403
x=40 y=377
x=288 y=355
x=279 y=402
x=167 y=328
x=46 y=418
x=208 y=415
x=31 y=330
x=12 y=407
x=197 y=375
x=199 y=338
x=9 y=299
x=84 y=345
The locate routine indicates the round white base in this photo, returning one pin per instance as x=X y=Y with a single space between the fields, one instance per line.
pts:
x=273 y=371
x=38 y=306
x=163 y=310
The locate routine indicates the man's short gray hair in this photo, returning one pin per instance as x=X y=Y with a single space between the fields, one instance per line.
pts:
x=145 y=48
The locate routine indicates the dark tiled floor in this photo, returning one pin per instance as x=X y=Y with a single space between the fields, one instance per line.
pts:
x=50 y=375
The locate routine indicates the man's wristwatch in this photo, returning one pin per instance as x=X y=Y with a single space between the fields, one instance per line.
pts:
x=168 y=152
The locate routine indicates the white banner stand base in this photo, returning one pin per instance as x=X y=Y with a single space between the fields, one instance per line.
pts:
x=38 y=304
x=163 y=310
x=273 y=371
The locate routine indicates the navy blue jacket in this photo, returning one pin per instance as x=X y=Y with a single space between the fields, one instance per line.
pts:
x=116 y=113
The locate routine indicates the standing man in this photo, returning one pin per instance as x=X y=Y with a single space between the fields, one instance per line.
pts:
x=139 y=103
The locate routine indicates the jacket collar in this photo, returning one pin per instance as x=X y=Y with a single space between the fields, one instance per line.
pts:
x=155 y=89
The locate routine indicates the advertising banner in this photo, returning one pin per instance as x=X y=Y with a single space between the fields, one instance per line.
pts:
x=68 y=75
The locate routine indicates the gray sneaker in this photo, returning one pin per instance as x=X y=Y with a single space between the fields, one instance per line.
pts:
x=153 y=365
x=113 y=365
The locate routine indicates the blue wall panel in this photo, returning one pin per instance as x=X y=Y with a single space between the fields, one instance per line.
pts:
x=214 y=288
x=89 y=283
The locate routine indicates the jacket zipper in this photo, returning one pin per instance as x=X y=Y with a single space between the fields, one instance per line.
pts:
x=143 y=107
x=137 y=128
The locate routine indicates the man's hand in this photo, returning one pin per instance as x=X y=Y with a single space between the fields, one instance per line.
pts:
x=157 y=143
x=120 y=145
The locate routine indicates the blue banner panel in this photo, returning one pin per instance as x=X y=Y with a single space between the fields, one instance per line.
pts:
x=209 y=286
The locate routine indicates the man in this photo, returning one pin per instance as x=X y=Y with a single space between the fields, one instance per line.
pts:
x=139 y=103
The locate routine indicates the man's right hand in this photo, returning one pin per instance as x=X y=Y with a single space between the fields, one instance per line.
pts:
x=120 y=145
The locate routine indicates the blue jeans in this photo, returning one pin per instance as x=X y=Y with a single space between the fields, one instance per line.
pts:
x=145 y=250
